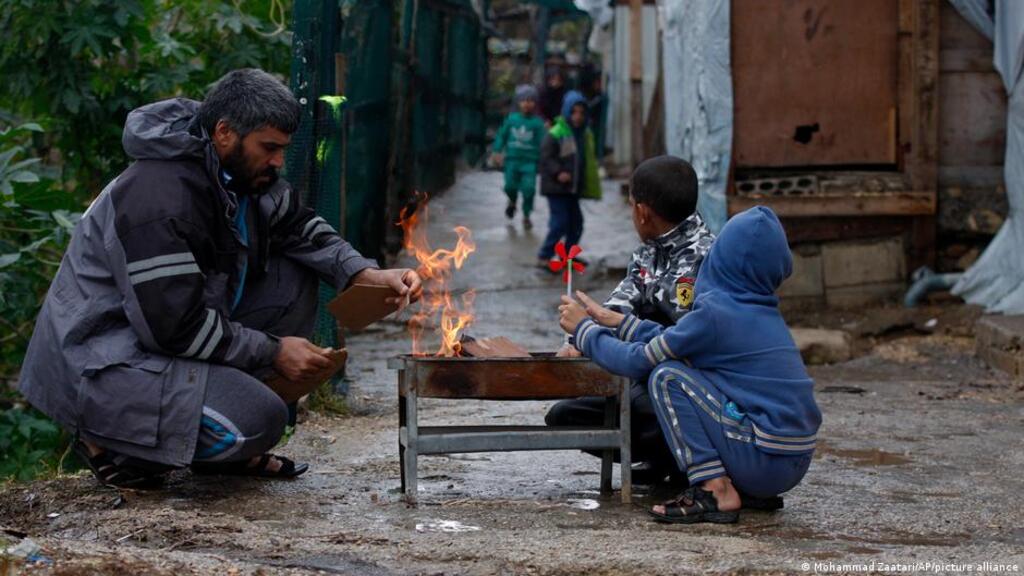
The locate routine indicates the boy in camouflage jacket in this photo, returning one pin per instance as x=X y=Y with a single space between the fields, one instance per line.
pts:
x=658 y=286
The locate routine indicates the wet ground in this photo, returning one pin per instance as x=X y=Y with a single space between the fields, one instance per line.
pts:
x=921 y=461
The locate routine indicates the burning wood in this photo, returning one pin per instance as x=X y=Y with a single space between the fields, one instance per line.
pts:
x=453 y=315
x=497 y=347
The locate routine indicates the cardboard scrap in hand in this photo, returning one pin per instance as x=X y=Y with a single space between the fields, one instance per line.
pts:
x=291 y=391
x=500 y=347
x=361 y=305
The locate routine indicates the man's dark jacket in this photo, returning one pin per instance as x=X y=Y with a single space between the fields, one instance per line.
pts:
x=141 y=304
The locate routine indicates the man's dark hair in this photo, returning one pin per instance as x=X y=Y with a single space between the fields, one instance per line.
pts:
x=668 y=185
x=249 y=99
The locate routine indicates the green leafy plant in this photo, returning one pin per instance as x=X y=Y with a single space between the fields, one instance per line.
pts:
x=82 y=65
x=30 y=444
x=78 y=67
x=36 y=219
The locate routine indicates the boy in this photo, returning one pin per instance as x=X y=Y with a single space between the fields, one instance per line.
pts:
x=517 y=145
x=732 y=394
x=658 y=286
x=568 y=172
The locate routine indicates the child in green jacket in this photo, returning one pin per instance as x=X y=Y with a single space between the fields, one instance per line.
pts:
x=517 y=145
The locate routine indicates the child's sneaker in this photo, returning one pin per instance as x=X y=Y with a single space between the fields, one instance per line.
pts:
x=510 y=210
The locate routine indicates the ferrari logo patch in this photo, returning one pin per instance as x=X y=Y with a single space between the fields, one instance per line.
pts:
x=684 y=291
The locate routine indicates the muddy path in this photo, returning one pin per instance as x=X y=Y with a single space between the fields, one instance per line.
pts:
x=921 y=461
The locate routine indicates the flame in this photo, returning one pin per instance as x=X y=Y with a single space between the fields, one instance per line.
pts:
x=436 y=268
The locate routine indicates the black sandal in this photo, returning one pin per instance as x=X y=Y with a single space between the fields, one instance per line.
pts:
x=109 y=472
x=692 y=506
x=288 y=468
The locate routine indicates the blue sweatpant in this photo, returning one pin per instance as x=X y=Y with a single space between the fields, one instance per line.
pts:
x=565 y=221
x=707 y=442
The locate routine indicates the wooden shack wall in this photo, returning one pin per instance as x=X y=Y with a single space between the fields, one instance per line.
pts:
x=972 y=142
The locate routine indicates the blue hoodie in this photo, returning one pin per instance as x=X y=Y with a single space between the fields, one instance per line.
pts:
x=572 y=98
x=734 y=337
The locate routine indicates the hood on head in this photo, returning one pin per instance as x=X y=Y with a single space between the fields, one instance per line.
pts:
x=525 y=92
x=750 y=258
x=163 y=131
x=571 y=98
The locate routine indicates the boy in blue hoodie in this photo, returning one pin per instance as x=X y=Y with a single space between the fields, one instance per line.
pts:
x=568 y=172
x=732 y=394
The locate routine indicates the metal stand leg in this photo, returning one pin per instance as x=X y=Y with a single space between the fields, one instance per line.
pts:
x=411 y=439
x=625 y=455
x=608 y=455
x=401 y=431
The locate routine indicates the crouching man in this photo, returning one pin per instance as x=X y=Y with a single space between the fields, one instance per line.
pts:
x=190 y=281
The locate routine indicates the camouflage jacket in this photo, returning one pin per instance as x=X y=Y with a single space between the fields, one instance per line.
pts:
x=659 y=281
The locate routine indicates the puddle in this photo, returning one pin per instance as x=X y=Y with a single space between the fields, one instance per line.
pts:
x=447 y=526
x=584 y=504
x=865 y=457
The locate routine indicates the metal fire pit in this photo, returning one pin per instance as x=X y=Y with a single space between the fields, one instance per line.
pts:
x=540 y=377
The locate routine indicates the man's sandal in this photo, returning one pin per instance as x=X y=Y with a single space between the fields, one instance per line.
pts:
x=288 y=469
x=692 y=506
x=108 y=471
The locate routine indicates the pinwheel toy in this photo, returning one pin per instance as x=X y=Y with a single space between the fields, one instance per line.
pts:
x=565 y=264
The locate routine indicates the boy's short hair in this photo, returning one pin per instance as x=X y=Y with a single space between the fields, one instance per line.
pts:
x=668 y=185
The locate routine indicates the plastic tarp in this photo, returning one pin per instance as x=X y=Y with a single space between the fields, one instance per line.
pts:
x=996 y=280
x=698 y=95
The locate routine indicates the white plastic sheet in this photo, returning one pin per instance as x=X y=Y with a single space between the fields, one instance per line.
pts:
x=698 y=95
x=996 y=280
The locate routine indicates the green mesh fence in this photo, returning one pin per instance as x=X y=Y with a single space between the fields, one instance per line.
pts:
x=413 y=74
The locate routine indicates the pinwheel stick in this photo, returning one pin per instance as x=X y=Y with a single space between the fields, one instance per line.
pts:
x=568 y=290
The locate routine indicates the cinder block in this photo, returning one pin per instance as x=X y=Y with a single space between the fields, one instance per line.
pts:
x=863 y=295
x=806 y=279
x=1000 y=343
x=819 y=346
x=863 y=263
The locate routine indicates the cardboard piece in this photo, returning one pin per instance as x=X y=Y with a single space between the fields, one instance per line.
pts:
x=500 y=347
x=291 y=391
x=361 y=305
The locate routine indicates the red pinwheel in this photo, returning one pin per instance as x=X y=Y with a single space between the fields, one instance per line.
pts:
x=566 y=261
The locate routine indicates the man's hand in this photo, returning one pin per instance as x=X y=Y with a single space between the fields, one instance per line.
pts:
x=405 y=281
x=299 y=359
x=564 y=177
x=570 y=314
x=600 y=314
x=568 y=351
x=498 y=159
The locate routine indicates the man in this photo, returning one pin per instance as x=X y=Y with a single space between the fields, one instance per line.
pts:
x=190 y=280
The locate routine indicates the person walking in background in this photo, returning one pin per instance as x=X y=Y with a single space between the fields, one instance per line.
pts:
x=552 y=95
x=568 y=172
x=517 y=146
x=591 y=84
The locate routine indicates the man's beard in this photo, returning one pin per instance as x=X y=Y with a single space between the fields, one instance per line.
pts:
x=243 y=177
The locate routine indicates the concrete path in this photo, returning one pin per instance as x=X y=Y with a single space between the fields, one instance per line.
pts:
x=921 y=463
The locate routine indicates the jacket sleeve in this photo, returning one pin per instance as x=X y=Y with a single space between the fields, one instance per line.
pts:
x=622 y=297
x=538 y=134
x=303 y=236
x=633 y=329
x=500 y=137
x=693 y=334
x=614 y=355
x=164 y=300
x=550 y=163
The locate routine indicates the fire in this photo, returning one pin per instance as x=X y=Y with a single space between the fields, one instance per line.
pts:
x=436 y=268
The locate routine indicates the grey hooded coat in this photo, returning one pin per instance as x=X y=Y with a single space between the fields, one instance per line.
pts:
x=141 y=304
